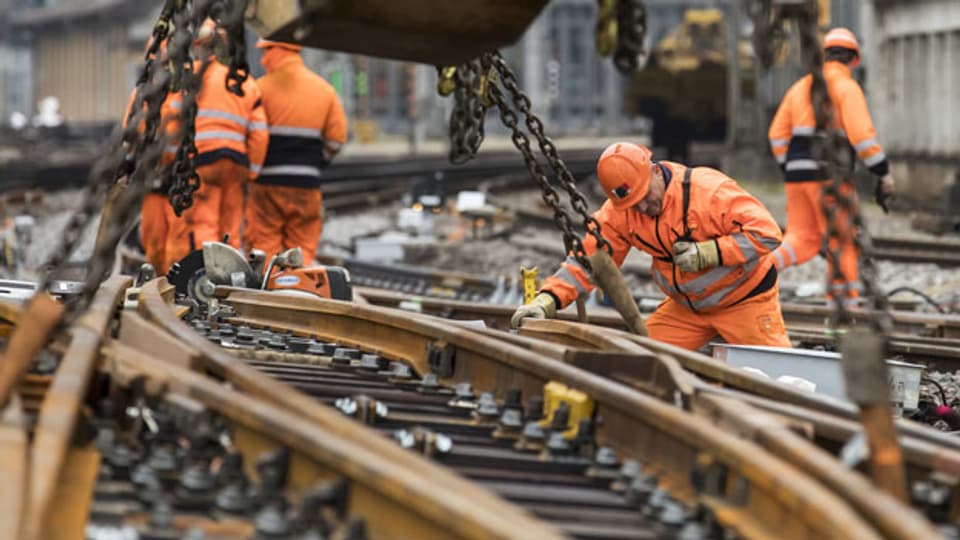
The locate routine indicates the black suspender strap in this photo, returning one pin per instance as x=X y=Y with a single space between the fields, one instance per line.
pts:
x=686 y=200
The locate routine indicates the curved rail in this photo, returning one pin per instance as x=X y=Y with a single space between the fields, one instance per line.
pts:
x=892 y=517
x=499 y=316
x=636 y=425
x=447 y=504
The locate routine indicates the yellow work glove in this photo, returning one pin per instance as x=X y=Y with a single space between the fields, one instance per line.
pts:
x=695 y=256
x=541 y=307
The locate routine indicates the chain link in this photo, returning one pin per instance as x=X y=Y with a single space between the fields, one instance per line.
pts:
x=239 y=69
x=135 y=157
x=844 y=221
x=466 y=119
x=631 y=32
x=521 y=103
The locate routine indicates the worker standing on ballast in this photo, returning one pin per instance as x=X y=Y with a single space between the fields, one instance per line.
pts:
x=308 y=127
x=791 y=139
x=712 y=246
x=231 y=139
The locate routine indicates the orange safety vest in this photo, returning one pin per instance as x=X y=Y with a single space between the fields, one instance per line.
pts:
x=699 y=204
x=792 y=129
x=305 y=116
x=228 y=126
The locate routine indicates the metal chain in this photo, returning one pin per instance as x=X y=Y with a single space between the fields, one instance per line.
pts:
x=136 y=155
x=768 y=32
x=844 y=221
x=521 y=103
x=631 y=32
x=239 y=69
x=466 y=119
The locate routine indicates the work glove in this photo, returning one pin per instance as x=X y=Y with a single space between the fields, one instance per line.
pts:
x=695 y=256
x=541 y=307
x=884 y=192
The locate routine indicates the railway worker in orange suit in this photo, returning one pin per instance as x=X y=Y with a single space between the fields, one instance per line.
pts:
x=791 y=136
x=712 y=246
x=153 y=212
x=231 y=139
x=308 y=127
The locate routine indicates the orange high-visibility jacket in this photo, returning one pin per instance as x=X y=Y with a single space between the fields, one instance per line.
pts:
x=792 y=129
x=227 y=125
x=304 y=115
x=719 y=210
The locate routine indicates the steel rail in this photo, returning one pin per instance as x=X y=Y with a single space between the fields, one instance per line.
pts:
x=635 y=424
x=763 y=427
x=936 y=352
x=446 y=502
x=498 y=316
x=61 y=407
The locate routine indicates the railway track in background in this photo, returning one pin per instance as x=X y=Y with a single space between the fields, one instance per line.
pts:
x=940 y=252
x=364 y=422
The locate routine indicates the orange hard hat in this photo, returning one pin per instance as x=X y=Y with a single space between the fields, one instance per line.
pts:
x=266 y=44
x=624 y=173
x=845 y=39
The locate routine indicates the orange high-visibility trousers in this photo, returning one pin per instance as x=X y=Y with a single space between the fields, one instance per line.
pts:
x=153 y=230
x=283 y=217
x=202 y=219
x=231 y=209
x=806 y=226
x=755 y=321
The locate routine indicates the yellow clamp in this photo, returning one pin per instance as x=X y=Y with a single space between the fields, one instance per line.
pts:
x=529 y=283
x=485 y=82
x=446 y=83
x=580 y=404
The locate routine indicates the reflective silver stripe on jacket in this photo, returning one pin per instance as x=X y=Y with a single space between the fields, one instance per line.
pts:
x=716 y=298
x=258 y=126
x=297 y=170
x=294 y=131
x=802 y=165
x=223 y=115
x=229 y=135
x=255 y=169
x=746 y=246
x=863 y=145
x=567 y=277
x=777 y=143
x=874 y=159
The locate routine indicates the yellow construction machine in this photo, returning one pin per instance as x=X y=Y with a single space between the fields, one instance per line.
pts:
x=683 y=88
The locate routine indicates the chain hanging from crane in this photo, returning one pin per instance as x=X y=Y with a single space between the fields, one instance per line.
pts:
x=125 y=173
x=487 y=82
x=863 y=348
x=620 y=32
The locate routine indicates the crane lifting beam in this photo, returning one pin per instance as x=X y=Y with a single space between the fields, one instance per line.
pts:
x=437 y=32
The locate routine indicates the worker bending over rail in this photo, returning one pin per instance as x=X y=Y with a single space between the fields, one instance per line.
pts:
x=712 y=246
x=791 y=139
x=307 y=126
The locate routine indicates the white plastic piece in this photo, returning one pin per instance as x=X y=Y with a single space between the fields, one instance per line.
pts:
x=471 y=200
x=798 y=382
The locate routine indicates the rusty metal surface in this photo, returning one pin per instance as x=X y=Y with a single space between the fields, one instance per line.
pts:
x=669 y=438
x=440 y=499
x=61 y=408
x=44 y=313
x=895 y=519
x=436 y=32
x=14 y=462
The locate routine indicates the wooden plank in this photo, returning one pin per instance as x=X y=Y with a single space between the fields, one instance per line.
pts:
x=73 y=496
